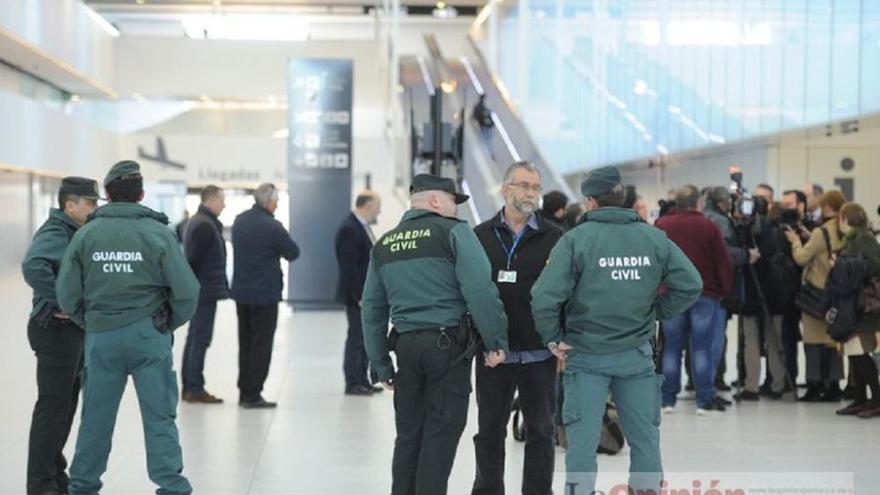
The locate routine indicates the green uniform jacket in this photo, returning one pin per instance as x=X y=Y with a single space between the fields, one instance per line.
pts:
x=122 y=266
x=427 y=273
x=614 y=275
x=43 y=259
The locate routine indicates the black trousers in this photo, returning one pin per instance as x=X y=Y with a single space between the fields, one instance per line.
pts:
x=256 y=334
x=791 y=333
x=354 y=361
x=431 y=404
x=537 y=398
x=59 y=350
x=863 y=371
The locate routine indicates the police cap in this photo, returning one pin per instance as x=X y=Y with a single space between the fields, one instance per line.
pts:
x=428 y=182
x=125 y=168
x=79 y=186
x=600 y=181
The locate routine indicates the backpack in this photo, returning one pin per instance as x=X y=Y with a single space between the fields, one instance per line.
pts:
x=611 y=440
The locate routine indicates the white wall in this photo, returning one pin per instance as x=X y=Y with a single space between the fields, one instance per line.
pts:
x=63 y=29
x=186 y=68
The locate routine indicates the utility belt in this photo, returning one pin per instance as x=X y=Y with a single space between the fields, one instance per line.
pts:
x=463 y=338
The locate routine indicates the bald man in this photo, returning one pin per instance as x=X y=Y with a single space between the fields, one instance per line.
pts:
x=354 y=240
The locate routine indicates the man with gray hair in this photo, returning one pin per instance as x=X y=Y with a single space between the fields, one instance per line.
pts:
x=518 y=243
x=259 y=241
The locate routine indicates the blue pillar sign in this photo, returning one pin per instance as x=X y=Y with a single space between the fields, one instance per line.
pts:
x=319 y=172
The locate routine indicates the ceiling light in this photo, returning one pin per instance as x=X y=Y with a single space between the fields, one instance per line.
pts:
x=449 y=86
x=282 y=133
x=140 y=2
x=662 y=149
x=445 y=12
x=74 y=98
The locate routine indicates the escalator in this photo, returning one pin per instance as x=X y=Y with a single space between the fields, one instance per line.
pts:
x=481 y=155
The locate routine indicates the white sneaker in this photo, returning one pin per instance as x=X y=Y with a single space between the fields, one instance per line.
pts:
x=668 y=409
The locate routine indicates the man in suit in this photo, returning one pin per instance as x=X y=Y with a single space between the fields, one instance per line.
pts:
x=259 y=241
x=354 y=240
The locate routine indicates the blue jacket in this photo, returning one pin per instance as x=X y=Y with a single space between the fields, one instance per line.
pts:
x=353 y=256
x=206 y=253
x=258 y=244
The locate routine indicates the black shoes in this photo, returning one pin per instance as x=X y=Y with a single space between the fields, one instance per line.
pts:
x=814 y=394
x=259 y=403
x=832 y=395
x=721 y=386
x=747 y=396
x=722 y=401
x=361 y=390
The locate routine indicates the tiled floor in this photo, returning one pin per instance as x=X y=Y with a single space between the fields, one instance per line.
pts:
x=321 y=442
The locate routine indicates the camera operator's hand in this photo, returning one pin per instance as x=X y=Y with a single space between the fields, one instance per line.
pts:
x=754 y=256
x=792 y=236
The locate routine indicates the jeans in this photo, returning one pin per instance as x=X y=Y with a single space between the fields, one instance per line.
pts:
x=198 y=339
x=703 y=323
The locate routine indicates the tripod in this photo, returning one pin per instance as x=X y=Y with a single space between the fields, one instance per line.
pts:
x=771 y=336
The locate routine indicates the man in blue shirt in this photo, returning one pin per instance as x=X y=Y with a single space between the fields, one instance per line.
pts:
x=518 y=243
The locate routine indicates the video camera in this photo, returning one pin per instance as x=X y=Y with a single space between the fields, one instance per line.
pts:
x=743 y=203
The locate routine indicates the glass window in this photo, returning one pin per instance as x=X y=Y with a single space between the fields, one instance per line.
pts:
x=818 y=76
x=870 y=66
x=845 y=59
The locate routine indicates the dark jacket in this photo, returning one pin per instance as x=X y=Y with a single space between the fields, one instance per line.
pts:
x=779 y=275
x=206 y=253
x=529 y=258
x=858 y=261
x=258 y=243
x=43 y=259
x=353 y=246
x=703 y=243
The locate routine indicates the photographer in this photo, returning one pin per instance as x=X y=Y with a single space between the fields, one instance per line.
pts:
x=778 y=279
x=794 y=201
x=718 y=205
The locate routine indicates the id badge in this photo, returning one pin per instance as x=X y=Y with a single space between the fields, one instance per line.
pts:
x=506 y=277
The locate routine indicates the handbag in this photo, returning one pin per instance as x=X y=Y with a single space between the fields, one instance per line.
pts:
x=811 y=299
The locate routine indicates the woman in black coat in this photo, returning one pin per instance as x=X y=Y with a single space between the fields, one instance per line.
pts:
x=860 y=244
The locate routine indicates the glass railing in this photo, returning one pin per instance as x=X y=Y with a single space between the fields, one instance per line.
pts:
x=603 y=82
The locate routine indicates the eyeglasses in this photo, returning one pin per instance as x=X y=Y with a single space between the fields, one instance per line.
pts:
x=525 y=186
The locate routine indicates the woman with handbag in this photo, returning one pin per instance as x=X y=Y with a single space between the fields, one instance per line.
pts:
x=859 y=242
x=823 y=362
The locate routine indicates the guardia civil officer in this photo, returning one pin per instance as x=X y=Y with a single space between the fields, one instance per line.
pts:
x=615 y=276
x=54 y=338
x=424 y=276
x=125 y=280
